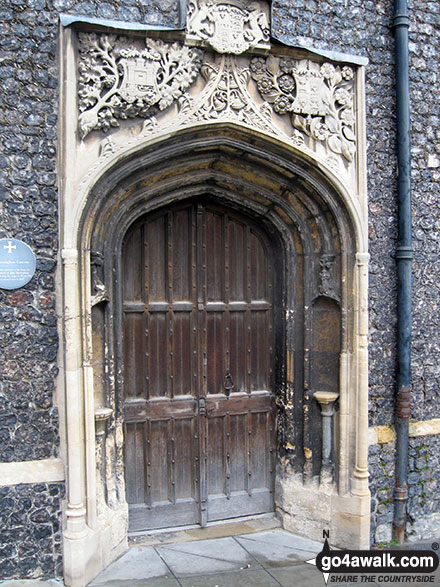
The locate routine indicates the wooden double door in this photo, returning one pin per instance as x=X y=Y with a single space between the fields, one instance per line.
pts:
x=198 y=297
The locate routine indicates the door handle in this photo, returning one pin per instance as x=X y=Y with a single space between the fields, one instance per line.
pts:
x=229 y=383
x=202 y=406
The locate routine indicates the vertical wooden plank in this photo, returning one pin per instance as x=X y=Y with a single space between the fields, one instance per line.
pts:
x=149 y=497
x=258 y=268
x=214 y=352
x=216 y=456
x=214 y=256
x=226 y=318
x=202 y=364
x=237 y=347
x=140 y=447
x=157 y=355
x=227 y=454
x=259 y=350
x=172 y=459
x=157 y=274
x=237 y=261
x=237 y=449
x=271 y=445
x=248 y=312
x=195 y=379
x=184 y=458
x=130 y=469
x=145 y=264
x=181 y=257
x=170 y=314
x=134 y=354
x=248 y=444
x=195 y=369
x=137 y=470
x=183 y=348
x=132 y=266
x=259 y=450
x=160 y=461
x=270 y=322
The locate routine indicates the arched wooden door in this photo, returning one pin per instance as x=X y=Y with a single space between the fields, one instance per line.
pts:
x=198 y=289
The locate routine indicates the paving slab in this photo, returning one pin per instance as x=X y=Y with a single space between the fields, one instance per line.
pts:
x=278 y=547
x=156 y=582
x=298 y=575
x=247 y=578
x=137 y=564
x=206 y=556
x=32 y=583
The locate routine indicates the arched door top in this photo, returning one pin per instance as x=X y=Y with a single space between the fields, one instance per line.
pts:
x=255 y=173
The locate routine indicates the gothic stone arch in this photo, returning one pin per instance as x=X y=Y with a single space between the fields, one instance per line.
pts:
x=278 y=137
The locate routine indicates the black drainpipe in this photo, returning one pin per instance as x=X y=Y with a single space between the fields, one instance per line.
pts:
x=404 y=255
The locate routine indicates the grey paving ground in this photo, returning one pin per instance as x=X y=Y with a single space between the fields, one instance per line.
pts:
x=272 y=557
x=269 y=558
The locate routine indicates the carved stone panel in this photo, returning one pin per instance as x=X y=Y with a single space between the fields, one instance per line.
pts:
x=318 y=99
x=233 y=26
x=119 y=79
x=151 y=87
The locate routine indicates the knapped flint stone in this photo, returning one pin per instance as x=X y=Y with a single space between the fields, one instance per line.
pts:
x=9 y=568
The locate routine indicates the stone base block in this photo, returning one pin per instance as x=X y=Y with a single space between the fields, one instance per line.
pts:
x=311 y=509
x=86 y=556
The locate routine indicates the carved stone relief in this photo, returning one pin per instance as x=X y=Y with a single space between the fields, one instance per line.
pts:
x=318 y=98
x=118 y=80
x=327 y=283
x=303 y=102
x=225 y=97
x=229 y=27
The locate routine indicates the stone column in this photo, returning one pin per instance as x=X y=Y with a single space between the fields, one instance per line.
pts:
x=76 y=511
x=326 y=400
x=360 y=474
x=81 y=546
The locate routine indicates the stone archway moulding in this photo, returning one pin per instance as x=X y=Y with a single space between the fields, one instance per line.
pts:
x=135 y=109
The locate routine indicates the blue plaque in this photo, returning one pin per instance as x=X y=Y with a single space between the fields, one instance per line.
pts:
x=17 y=263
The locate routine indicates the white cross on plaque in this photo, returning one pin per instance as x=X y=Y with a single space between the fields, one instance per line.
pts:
x=9 y=246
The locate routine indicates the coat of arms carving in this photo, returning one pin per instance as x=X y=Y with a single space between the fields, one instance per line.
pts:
x=230 y=26
x=139 y=79
x=119 y=79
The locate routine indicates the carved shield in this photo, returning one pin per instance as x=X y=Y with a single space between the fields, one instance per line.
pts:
x=139 y=80
x=310 y=94
x=228 y=36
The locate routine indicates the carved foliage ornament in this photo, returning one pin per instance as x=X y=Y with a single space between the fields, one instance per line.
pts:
x=119 y=81
x=232 y=26
x=318 y=98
